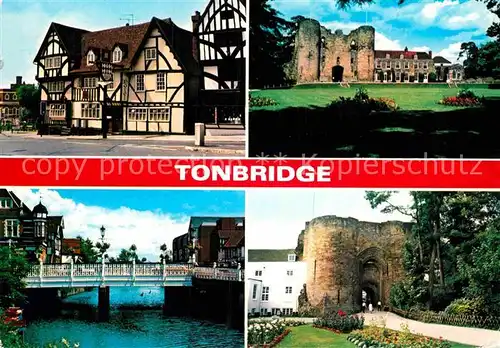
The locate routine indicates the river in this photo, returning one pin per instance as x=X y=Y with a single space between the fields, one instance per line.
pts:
x=128 y=326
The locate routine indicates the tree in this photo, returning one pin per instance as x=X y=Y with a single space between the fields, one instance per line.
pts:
x=270 y=45
x=445 y=241
x=88 y=251
x=29 y=97
x=128 y=255
x=14 y=268
x=165 y=254
x=482 y=61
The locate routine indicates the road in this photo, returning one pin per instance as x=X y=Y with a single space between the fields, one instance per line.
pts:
x=61 y=146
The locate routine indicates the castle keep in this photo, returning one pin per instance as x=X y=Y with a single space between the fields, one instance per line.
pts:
x=325 y=56
x=345 y=256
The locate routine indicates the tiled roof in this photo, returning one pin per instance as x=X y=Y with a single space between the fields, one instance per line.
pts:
x=105 y=40
x=71 y=243
x=406 y=54
x=269 y=255
x=234 y=237
x=440 y=60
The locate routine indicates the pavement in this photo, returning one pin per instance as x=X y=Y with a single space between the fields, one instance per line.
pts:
x=218 y=143
x=465 y=335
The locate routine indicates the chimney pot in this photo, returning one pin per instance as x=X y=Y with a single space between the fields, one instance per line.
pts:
x=430 y=54
x=307 y=224
x=19 y=80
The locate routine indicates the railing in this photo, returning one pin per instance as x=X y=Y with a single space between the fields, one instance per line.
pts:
x=70 y=272
x=219 y=273
x=86 y=94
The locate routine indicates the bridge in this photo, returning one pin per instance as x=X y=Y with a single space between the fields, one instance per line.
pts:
x=130 y=274
x=187 y=289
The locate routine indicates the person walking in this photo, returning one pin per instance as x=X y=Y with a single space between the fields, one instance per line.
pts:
x=379 y=304
x=364 y=306
x=370 y=307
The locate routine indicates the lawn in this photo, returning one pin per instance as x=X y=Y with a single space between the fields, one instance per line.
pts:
x=307 y=336
x=407 y=96
x=304 y=125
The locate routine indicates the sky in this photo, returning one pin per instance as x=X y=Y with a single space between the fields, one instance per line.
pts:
x=146 y=218
x=439 y=26
x=20 y=43
x=275 y=217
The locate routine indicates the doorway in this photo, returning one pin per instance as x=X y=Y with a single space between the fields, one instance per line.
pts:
x=338 y=73
x=115 y=123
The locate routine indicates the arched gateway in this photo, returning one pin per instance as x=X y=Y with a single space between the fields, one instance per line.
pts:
x=347 y=258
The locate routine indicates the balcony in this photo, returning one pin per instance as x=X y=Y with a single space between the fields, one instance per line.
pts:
x=86 y=94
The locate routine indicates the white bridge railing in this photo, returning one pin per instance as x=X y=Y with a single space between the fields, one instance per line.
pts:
x=70 y=272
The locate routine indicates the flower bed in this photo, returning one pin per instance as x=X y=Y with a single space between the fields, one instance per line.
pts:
x=266 y=333
x=340 y=322
x=383 y=337
x=261 y=101
x=463 y=98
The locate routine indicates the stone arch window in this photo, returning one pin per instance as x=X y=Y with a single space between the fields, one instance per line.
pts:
x=338 y=60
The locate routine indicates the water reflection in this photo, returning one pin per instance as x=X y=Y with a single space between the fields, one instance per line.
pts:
x=129 y=327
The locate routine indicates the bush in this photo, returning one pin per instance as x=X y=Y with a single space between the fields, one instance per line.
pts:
x=265 y=332
x=462 y=306
x=466 y=93
x=361 y=94
x=383 y=337
x=386 y=103
x=261 y=101
x=340 y=321
x=432 y=77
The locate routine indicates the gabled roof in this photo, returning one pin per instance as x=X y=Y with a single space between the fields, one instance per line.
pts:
x=234 y=237
x=181 y=43
x=269 y=255
x=441 y=60
x=406 y=54
x=70 y=39
x=130 y=35
x=4 y=193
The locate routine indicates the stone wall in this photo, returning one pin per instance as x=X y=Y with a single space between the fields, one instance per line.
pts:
x=342 y=253
x=318 y=50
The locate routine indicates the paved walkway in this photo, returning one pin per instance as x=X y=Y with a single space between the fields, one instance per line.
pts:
x=465 y=335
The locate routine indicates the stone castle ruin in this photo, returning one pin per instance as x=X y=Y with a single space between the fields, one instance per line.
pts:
x=345 y=257
x=321 y=55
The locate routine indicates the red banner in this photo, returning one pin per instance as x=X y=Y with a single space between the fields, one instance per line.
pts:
x=241 y=173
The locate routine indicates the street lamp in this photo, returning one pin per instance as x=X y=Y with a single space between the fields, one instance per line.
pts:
x=103 y=233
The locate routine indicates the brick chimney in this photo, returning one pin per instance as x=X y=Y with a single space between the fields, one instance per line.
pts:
x=430 y=54
x=307 y=224
x=195 y=19
x=19 y=80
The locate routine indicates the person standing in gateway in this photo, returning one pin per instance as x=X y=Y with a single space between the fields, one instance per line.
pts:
x=363 y=306
x=370 y=307
x=379 y=305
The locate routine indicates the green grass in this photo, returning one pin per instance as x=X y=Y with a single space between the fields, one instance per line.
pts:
x=307 y=336
x=407 y=96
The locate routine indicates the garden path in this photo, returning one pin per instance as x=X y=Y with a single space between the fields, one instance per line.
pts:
x=471 y=336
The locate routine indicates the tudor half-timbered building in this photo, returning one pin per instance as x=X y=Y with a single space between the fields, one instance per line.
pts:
x=220 y=32
x=138 y=78
x=32 y=230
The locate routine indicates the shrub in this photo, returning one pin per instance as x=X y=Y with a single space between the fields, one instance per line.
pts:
x=340 y=321
x=465 y=306
x=361 y=94
x=261 y=101
x=466 y=93
x=264 y=332
x=461 y=102
x=432 y=77
x=383 y=337
x=293 y=323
